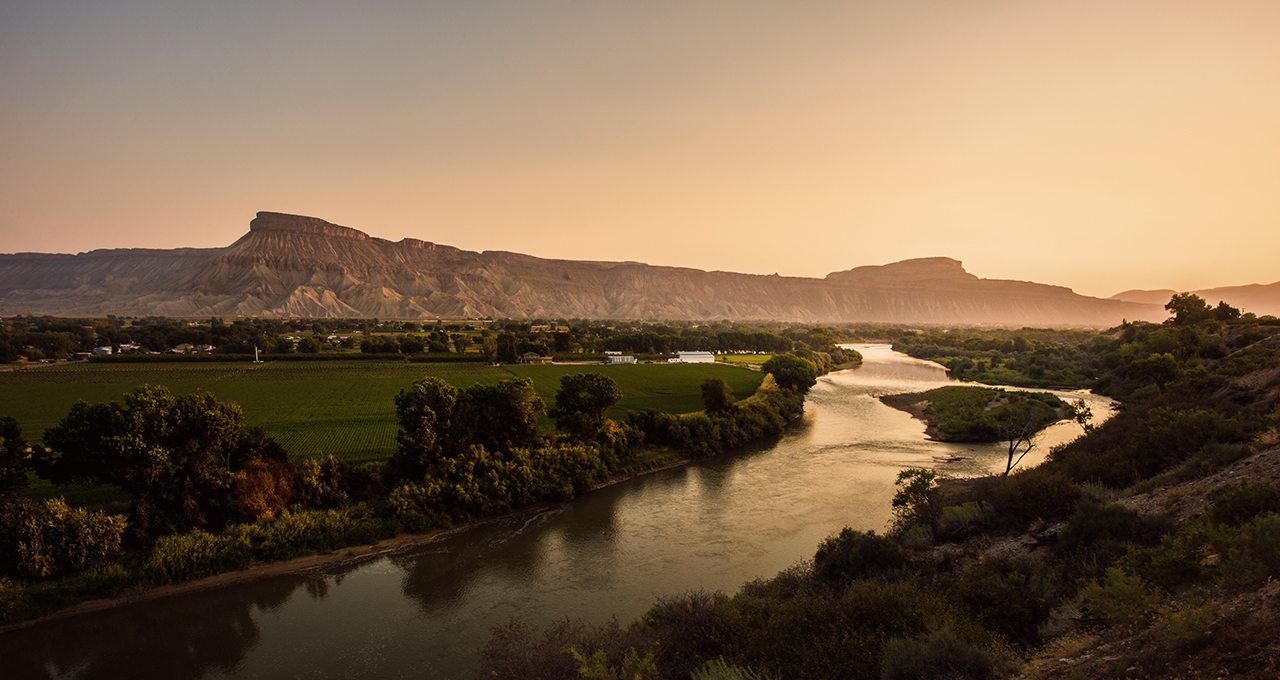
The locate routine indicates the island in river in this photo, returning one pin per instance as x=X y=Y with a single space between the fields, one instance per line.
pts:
x=969 y=413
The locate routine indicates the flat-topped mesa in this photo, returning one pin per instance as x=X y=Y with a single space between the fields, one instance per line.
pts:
x=919 y=269
x=301 y=224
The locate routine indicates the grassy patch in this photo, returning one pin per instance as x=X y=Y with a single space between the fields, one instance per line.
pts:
x=343 y=408
x=978 y=414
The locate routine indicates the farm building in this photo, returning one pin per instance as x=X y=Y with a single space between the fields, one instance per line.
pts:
x=694 y=358
x=101 y=351
x=534 y=358
x=615 y=358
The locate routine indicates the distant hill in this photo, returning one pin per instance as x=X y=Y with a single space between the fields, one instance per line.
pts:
x=1261 y=299
x=294 y=266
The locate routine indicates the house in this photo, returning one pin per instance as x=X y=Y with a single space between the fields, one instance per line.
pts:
x=203 y=349
x=101 y=351
x=128 y=348
x=182 y=348
x=616 y=358
x=693 y=358
x=534 y=358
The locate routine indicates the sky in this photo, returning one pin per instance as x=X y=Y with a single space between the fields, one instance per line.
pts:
x=1097 y=145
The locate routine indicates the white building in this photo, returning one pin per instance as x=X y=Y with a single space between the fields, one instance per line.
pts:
x=101 y=351
x=694 y=358
x=616 y=358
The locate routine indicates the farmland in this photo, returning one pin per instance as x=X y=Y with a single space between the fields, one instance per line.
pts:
x=344 y=408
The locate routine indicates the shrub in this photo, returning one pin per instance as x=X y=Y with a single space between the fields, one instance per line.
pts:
x=516 y=652
x=262 y=489
x=1013 y=597
x=180 y=557
x=1241 y=503
x=321 y=484
x=958 y=522
x=853 y=555
x=939 y=654
x=1106 y=528
x=719 y=669
x=1038 y=493
x=1120 y=598
x=1251 y=554
x=40 y=539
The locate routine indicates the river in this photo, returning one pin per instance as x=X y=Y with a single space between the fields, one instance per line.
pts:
x=425 y=613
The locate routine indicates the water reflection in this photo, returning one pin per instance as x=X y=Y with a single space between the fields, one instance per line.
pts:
x=425 y=612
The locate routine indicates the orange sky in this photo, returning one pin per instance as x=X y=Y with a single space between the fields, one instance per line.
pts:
x=1097 y=145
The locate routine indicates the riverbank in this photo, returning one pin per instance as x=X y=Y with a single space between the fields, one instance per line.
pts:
x=350 y=555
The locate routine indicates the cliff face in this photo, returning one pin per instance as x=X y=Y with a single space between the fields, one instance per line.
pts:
x=293 y=266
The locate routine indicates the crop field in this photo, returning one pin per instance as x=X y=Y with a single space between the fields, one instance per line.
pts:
x=335 y=407
x=744 y=359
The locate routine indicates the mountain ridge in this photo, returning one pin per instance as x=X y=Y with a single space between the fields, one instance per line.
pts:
x=297 y=266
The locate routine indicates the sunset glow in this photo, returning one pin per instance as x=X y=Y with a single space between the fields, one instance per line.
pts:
x=1097 y=145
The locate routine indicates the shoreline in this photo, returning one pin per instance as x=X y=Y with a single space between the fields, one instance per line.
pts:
x=353 y=555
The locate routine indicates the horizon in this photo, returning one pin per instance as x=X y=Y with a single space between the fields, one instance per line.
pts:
x=1095 y=147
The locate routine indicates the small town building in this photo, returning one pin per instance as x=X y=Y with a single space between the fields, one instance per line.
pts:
x=616 y=358
x=534 y=358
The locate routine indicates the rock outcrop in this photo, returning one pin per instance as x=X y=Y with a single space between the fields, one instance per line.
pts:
x=294 y=266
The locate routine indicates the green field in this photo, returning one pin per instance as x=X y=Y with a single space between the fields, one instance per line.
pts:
x=744 y=359
x=343 y=408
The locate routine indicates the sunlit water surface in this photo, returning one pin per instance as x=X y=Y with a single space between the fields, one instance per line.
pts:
x=426 y=612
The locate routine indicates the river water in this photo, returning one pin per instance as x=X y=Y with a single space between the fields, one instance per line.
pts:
x=426 y=612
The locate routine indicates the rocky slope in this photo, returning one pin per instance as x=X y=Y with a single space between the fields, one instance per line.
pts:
x=293 y=266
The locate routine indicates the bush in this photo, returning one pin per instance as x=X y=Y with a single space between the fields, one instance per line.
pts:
x=1120 y=598
x=1105 y=528
x=958 y=522
x=1241 y=503
x=180 y=557
x=40 y=539
x=852 y=555
x=263 y=489
x=1012 y=597
x=321 y=484
x=940 y=654
x=1039 y=493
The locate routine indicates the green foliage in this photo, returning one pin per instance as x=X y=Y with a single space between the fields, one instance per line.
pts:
x=1039 y=493
x=322 y=484
x=852 y=555
x=719 y=669
x=916 y=500
x=792 y=372
x=716 y=396
x=597 y=666
x=958 y=522
x=342 y=407
x=1120 y=598
x=1240 y=503
x=939 y=654
x=194 y=554
x=1188 y=308
x=582 y=401
x=44 y=539
x=1013 y=597
x=13 y=458
x=175 y=456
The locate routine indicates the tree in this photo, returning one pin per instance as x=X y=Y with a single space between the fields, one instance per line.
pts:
x=1157 y=368
x=716 y=396
x=1018 y=423
x=582 y=401
x=13 y=458
x=1188 y=308
x=174 y=455
x=916 y=497
x=503 y=416
x=792 y=372
x=309 y=344
x=425 y=412
x=489 y=348
x=508 y=348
